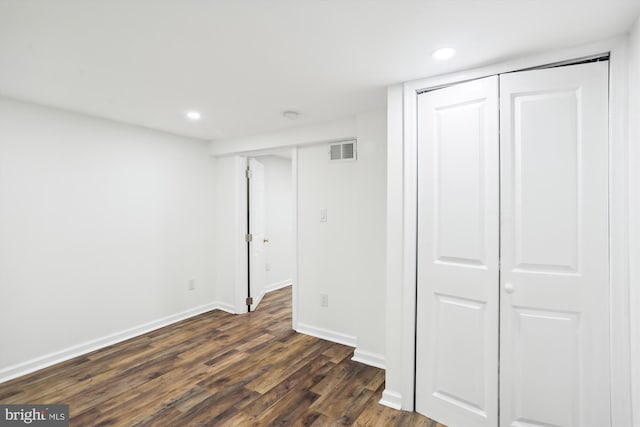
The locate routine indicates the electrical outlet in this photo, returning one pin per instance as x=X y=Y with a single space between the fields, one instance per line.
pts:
x=267 y=267
x=192 y=284
x=324 y=300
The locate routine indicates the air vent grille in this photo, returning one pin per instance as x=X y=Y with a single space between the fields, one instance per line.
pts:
x=341 y=151
x=336 y=152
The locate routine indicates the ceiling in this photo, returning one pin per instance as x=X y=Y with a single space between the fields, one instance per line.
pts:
x=241 y=63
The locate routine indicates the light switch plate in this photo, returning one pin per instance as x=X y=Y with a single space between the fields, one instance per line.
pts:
x=323 y=215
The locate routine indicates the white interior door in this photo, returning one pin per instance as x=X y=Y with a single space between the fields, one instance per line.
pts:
x=554 y=342
x=257 y=270
x=458 y=207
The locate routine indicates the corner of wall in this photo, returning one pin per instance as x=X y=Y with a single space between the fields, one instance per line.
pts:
x=392 y=399
x=326 y=334
x=395 y=245
x=359 y=355
x=369 y=358
x=634 y=213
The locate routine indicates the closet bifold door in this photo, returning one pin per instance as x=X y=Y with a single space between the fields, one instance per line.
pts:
x=554 y=318
x=457 y=286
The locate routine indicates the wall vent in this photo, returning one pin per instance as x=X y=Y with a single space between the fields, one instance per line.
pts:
x=344 y=150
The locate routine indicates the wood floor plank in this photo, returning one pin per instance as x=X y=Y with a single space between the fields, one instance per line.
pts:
x=217 y=369
x=339 y=352
x=288 y=409
x=299 y=380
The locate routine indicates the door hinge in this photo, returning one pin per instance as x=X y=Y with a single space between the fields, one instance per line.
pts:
x=249 y=300
x=248 y=173
x=248 y=237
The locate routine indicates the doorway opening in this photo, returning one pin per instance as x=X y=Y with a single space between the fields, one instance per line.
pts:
x=270 y=224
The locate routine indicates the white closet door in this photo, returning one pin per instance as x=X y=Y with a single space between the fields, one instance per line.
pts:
x=457 y=316
x=554 y=319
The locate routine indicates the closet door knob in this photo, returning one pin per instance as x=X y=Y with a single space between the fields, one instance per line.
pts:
x=508 y=287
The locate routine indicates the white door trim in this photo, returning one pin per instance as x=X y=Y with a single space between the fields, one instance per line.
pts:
x=294 y=258
x=621 y=380
x=402 y=142
x=241 y=259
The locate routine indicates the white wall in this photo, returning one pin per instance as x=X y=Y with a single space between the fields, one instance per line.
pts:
x=301 y=135
x=634 y=215
x=345 y=256
x=102 y=225
x=278 y=220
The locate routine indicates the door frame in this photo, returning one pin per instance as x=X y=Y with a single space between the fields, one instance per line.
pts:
x=242 y=206
x=245 y=258
x=248 y=177
x=402 y=221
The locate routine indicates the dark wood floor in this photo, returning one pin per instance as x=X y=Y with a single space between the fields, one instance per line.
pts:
x=217 y=369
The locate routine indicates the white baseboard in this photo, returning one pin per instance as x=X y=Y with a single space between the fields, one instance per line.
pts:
x=278 y=285
x=368 y=358
x=392 y=399
x=41 y=362
x=326 y=334
x=257 y=299
x=229 y=308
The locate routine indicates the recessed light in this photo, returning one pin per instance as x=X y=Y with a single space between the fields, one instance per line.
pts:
x=193 y=115
x=291 y=115
x=444 y=53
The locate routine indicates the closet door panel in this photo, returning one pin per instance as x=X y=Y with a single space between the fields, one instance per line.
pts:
x=554 y=319
x=546 y=181
x=457 y=318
